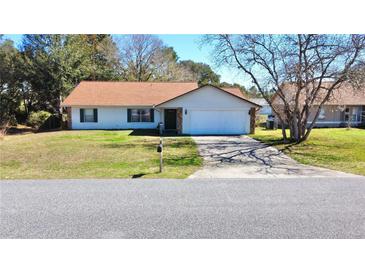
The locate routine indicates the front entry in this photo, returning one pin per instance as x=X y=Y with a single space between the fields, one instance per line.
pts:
x=170 y=119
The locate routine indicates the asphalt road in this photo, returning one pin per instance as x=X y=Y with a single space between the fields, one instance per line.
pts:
x=242 y=208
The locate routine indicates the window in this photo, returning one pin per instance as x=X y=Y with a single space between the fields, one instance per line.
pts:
x=356 y=114
x=347 y=114
x=88 y=115
x=140 y=115
x=322 y=114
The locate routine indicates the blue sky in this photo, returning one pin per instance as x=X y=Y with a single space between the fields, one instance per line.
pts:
x=187 y=46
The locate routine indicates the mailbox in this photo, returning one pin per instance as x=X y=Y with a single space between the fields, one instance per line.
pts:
x=159 y=148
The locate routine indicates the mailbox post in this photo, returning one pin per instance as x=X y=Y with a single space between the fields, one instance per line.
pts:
x=160 y=150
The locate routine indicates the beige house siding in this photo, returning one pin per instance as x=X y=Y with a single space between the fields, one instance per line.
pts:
x=328 y=113
x=347 y=104
x=335 y=116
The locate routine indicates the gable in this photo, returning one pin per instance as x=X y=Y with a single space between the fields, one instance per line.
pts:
x=208 y=97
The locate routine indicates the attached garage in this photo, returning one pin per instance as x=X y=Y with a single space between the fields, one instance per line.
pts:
x=209 y=110
x=218 y=122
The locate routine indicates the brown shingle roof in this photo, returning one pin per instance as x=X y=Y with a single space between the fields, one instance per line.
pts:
x=345 y=95
x=235 y=91
x=90 y=93
x=98 y=93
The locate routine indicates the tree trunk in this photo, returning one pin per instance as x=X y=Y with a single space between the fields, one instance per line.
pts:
x=26 y=108
x=285 y=138
x=291 y=130
x=296 y=129
x=305 y=137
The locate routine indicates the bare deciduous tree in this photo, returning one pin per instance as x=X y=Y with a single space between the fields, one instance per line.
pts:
x=313 y=65
x=137 y=56
x=146 y=58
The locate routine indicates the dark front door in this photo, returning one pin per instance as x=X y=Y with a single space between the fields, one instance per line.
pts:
x=170 y=119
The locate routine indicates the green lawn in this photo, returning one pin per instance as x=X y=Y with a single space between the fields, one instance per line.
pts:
x=335 y=148
x=95 y=154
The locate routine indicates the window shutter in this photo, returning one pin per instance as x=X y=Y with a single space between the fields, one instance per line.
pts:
x=152 y=112
x=129 y=115
x=81 y=115
x=95 y=115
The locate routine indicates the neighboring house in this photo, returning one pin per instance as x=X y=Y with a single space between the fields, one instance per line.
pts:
x=345 y=107
x=183 y=108
x=265 y=107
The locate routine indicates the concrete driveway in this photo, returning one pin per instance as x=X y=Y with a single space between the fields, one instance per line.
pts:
x=244 y=157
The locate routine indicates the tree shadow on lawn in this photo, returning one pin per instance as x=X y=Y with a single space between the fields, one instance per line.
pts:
x=142 y=174
x=132 y=146
x=144 y=132
x=150 y=144
x=155 y=132
x=17 y=131
x=183 y=161
x=138 y=175
x=279 y=142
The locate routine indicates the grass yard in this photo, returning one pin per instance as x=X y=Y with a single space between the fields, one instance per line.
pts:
x=334 y=148
x=95 y=154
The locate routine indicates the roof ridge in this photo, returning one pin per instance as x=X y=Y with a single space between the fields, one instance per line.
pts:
x=231 y=87
x=115 y=81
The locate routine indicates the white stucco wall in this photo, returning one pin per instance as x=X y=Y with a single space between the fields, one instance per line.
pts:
x=228 y=114
x=211 y=99
x=111 y=118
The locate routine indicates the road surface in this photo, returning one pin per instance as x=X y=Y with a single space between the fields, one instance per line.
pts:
x=225 y=208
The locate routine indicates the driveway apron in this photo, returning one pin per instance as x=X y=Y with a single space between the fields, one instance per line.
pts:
x=244 y=157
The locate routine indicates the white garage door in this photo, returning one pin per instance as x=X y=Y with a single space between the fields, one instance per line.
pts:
x=219 y=122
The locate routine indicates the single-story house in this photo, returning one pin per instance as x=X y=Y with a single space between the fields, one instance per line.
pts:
x=345 y=107
x=182 y=107
x=265 y=107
